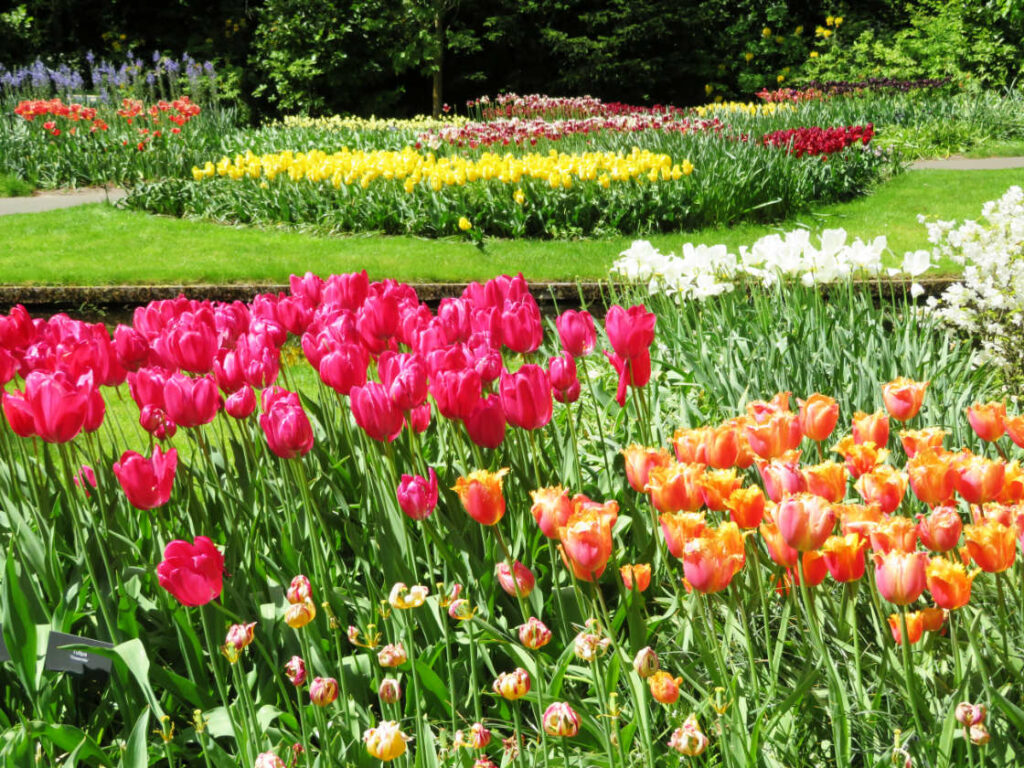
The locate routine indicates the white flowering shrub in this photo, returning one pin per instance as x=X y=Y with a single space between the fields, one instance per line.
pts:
x=989 y=302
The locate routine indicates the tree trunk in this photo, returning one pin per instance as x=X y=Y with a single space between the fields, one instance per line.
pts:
x=439 y=62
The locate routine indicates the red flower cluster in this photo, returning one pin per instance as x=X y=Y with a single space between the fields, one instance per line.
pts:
x=179 y=112
x=537 y=106
x=55 y=107
x=819 y=141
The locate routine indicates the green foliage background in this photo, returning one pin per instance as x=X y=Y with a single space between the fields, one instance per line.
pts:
x=379 y=56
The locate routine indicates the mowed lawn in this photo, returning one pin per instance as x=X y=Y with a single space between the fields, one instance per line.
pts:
x=100 y=245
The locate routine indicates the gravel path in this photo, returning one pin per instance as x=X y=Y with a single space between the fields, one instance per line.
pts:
x=969 y=164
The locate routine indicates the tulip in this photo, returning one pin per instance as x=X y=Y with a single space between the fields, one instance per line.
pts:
x=348 y=291
x=640 y=461
x=903 y=397
x=968 y=714
x=689 y=739
x=392 y=655
x=915 y=627
x=1013 y=484
x=932 y=477
x=560 y=719
x=461 y=610
x=674 y=487
x=512 y=685
x=900 y=576
x=779 y=433
x=589 y=645
x=534 y=634
x=377 y=322
x=562 y=374
x=192 y=573
x=940 y=530
x=295 y=671
x=417 y=495
x=844 y=556
x=146 y=482
x=454 y=315
x=805 y=521
x=632 y=371
x=761 y=410
x=860 y=457
x=191 y=402
x=858 y=518
x=84 y=478
x=485 y=424
x=55 y=407
x=991 y=545
x=268 y=760
x=298 y=615
x=679 y=528
x=526 y=397
x=977 y=479
x=386 y=741
x=827 y=480
x=779 y=551
x=479 y=737
x=723 y=444
x=285 y=424
x=481 y=495
x=979 y=735
x=646 y=662
x=690 y=445
x=884 y=487
x=404 y=376
x=894 y=533
x=916 y=440
x=717 y=486
x=949 y=583
x=240 y=635
x=576 y=332
x=344 y=368
x=782 y=475
x=241 y=404
x=819 y=415
x=871 y=427
x=404 y=598
x=711 y=559
x=389 y=691
x=551 y=509
x=299 y=589
x=664 y=687
x=519 y=582
x=630 y=331
x=130 y=348
x=1015 y=429
x=987 y=420
x=457 y=392
x=375 y=413
x=746 y=507
x=587 y=539
x=521 y=327
x=638 y=575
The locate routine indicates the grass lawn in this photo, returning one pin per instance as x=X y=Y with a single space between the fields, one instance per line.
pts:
x=100 y=245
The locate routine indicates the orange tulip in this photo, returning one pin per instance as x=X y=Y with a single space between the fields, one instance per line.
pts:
x=871 y=427
x=587 y=539
x=689 y=445
x=481 y=495
x=782 y=475
x=779 y=433
x=991 y=544
x=1013 y=484
x=722 y=445
x=819 y=415
x=987 y=420
x=903 y=397
x=778 y=549
x=949 y=583
x=884 y=486
x=815 y=569
x=551 y=509
x=860 y=457
x=664 y=687
x=805 y=521
x=827 y=480
x=932 y=476
x=900 y=576
x=894 y=533
x=977 y=479
x=915 y=627
x=711 y=559
x=675 y=488
x=844 y=556
x=717 y=486
x=933 y=618
x=1015 y=429
x=761 y=410
x=916 y=440
x=940 y=531
x=1007 y=515
x=679 y=528
x=640 y=460
x=745 y=456
x=858 y=518
x=638 y=575
x=746 y=506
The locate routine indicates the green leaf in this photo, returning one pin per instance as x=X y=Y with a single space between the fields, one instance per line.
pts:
x=136 y=753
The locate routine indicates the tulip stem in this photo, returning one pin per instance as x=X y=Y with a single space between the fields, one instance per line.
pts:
x=597 y=418
x=908 y=672
x=303 y=727
x=211 y=648
x=852 y=588
x=556 y=588
x=1001 y=608
x=748 y=636
x=759 y=588
x=958 y=673
x=248 y=709
x=318 y=711
x=474 y=685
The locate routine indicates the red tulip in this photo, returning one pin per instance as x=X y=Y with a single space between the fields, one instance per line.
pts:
x=521 y=328
x=375 y=413
x=633 y=372
x=285 y=424
x=344 y=368
x=191 y=402
x=564 y=383
x=457 y=392
x=191 y=342
x=630 y=331
x=485 y=425
x=576 y=332
x=192 y=573
x=405 y=377
x=57 y=408
x=417 y=495
x=526 y=397
x=241 y=404
x=146 y=482
x=130 y=347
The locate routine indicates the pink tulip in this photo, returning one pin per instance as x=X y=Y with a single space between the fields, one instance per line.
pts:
x=241 y=404
x=417 y=495
x=191 y=402
x=375 y=413
x=146 y=482
x=405 y=378
x=521 y=327
x=523 y=582
x=285 y=424
x=486 y=423
x=192 y=573
x=576 y=332
x=526 y=397
x=630 y=331
x=344 y=368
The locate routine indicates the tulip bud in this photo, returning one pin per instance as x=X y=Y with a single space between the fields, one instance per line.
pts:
x=903 y=397
x=638 y=575
x=386 y=741
x=646 y=662
x=240 y=635
x=689 y=739
x=560 y=719
x=512 y=685
x=576 y=332
x=818 y=416
x=323 y=691
x=481 y=495
x=968 y=714
x=295 y=671
x=979 y=734
x=390 y=691
x=461 y=610
x=299 y=590
x=517 y=583
x=417 y=495
x=534 y=634
x=298 y=615
x=241 y=404
x=987 y=420
x=392 y=655
x=664 y=687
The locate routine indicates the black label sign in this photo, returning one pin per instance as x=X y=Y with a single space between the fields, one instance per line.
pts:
x=77 y=661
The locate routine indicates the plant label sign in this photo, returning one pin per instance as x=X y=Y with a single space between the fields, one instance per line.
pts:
x=76 y=661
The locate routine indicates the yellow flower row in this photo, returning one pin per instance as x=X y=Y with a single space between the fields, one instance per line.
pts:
x=338 y=123
x=360 y=167
x=755 y=109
